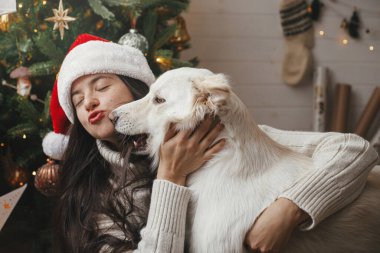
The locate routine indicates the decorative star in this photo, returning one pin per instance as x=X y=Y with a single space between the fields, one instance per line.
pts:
x=60 y=19
x=6 y=205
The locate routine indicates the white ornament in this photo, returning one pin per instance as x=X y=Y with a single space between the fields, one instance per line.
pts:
x=136 y=40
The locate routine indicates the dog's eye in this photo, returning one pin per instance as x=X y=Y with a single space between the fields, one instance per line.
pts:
x=159 y=100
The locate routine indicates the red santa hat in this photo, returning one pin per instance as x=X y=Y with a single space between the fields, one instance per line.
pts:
x=88 y=54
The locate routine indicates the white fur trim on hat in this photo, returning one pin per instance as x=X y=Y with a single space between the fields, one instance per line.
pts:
x=54 y=145
x=99 y=57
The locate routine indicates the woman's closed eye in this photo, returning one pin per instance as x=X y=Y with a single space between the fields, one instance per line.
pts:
x=78 y=102
x=102 y=88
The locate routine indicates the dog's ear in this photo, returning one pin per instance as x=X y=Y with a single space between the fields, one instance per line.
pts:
x=212 y=91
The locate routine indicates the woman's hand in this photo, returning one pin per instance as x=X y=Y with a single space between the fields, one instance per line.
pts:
x=184 y=152
x=273 y=228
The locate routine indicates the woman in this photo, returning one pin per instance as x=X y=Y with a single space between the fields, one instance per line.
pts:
x=111 y=202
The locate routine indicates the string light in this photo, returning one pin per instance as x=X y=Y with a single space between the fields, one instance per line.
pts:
x=159 y=59
x=2 y=145
x=34 y=173
x=321 y=32
x=35 y=30
x=371 y=48
x=20 y=5
x=44 y=2
x=345 y=41
x=24 y=136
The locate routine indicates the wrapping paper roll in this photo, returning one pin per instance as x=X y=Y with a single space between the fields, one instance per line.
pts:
x=341 y=107
x=375 y=141
x=369 y=113
x=319 y=101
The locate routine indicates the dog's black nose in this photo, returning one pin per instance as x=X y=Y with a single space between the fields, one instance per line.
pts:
x=113 y=117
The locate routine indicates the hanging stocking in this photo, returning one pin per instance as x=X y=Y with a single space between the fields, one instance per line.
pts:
x=299 y=39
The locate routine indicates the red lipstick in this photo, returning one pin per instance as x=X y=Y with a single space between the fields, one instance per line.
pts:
x=95 y=116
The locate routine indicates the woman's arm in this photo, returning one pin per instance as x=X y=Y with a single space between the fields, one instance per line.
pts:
x=164 y=231
x=342 y=163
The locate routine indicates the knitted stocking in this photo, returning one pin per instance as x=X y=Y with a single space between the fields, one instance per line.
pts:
x=299 y=39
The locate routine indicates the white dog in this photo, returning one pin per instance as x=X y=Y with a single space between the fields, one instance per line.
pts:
x=234 y=187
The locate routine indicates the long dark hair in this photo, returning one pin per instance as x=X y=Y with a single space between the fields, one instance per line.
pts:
x=85 y=191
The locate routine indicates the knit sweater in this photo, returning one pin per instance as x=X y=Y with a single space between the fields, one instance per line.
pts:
x=342 y=163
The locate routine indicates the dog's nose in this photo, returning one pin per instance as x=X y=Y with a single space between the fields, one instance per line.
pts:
x=113 y=117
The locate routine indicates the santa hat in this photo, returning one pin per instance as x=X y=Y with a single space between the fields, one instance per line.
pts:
x=88 y=55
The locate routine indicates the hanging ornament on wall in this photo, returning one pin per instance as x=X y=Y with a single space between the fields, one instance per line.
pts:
x=353 y=25
x=315 y=9
x=46 y=178
x=181 y=36
x=344 y=24
x=24 y=86
x=136 y=40
x=60 y=19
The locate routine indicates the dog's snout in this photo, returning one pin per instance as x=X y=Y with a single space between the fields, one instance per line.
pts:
x=113 y=116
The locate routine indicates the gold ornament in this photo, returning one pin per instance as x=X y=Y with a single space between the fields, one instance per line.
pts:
x=17 y=177
x=164 y=63
x=87 y=13
x=23 y=86
x=4 y=23
x=46 y=178
x=181 y=36
x=60 y=19
x=43 y=27
x=344 y=24
x=99 y=25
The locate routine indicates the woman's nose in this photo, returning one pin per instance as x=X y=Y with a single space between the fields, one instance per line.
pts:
x=91 y=103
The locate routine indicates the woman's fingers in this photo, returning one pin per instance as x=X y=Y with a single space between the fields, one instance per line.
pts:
x=211 y=136
x=170 y=133
x=211 y=151
x=201 y=131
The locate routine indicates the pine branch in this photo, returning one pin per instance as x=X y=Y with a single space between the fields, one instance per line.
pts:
x=164 y=53
x=48 y=47
x=44 y=68
x=26 y=109
x=101 y=10
x=46 y=112
x=24 y=158
x=176 y=63
x=164 y=36
x=149 y=26
x=21 y=129
x=173 y=5
x=113 y=3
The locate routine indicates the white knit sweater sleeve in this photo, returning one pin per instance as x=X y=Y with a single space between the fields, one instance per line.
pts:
x=165 y=228
x=342 y=163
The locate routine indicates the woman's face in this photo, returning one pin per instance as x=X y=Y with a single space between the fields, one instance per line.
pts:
x=94 y=97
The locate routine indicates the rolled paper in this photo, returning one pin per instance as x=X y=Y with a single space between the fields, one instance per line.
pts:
x=375 y=141
x=319 y=101
x=369 y=113
x=341 y=107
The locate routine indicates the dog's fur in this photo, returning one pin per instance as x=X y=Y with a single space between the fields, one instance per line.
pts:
x=234 y=187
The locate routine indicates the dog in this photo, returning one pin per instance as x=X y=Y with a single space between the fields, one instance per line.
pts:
x=231 y=190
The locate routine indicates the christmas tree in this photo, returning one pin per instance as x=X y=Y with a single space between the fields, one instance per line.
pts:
x=33 y=43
